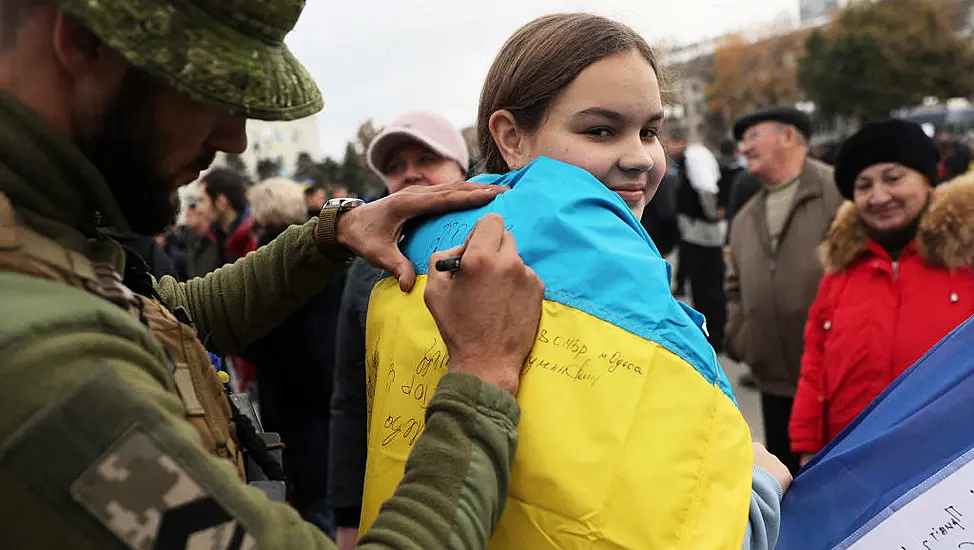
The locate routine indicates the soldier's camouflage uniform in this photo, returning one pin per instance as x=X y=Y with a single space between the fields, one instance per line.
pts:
x=95 y=449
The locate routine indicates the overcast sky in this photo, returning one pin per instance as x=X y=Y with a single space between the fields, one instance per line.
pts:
x=380 y=58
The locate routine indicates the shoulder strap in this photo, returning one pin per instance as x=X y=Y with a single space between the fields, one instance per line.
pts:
x=29 y=253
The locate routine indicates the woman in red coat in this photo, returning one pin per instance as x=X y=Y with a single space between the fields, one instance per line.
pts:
x=898 y=277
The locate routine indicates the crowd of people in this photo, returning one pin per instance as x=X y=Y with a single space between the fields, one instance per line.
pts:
x=818 y=290
x=130 y=346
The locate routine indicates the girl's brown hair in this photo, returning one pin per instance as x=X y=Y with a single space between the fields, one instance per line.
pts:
x=538 y=62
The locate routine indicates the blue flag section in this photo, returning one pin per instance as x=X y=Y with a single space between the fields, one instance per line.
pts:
x=915 y=434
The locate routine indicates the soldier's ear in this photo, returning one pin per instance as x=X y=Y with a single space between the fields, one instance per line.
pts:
x=75 y=47
x=82 y=55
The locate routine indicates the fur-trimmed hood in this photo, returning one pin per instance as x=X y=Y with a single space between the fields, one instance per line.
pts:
x=945 y=237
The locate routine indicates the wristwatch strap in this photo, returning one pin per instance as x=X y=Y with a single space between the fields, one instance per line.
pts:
x=326 y=234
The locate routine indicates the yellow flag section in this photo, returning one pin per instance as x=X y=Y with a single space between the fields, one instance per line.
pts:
x=622 y=443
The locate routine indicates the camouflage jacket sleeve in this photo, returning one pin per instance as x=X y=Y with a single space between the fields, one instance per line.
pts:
x=241 y=302
x=455 y=486
x=95 y=453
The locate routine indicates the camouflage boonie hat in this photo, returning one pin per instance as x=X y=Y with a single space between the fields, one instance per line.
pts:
x=228 y=53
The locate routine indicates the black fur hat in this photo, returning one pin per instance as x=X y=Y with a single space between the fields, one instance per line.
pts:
x=891 y=140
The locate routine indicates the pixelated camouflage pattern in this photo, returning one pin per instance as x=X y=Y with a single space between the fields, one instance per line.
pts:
x=228 y=53
x=134 y=484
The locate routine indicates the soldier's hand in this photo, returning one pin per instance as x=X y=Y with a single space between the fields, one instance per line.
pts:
x=488 y=311
x=372 y=231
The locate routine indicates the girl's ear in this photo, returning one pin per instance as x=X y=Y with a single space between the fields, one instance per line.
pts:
x=509 y=138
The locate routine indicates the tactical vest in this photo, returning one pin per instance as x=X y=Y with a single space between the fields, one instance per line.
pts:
x=196 y=381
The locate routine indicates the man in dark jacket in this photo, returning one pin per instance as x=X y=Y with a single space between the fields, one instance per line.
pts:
x=143 y=249
x=730 y=169
x=315 y=197
x=224 y=193
x=421 y=149
x=295 y=370
x=175 y=244
x=201 y=252
x=659 y=217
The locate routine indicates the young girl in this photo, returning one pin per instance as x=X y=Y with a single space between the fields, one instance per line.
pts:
x=630 y=436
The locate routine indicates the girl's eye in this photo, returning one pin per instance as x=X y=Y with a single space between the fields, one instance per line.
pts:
x=599 y=132
x=650 y=133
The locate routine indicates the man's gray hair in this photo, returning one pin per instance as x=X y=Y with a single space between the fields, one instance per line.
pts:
x=799 y=137
x=277 y=203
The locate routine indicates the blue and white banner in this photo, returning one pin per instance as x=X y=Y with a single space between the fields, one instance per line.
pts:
x=900 y=476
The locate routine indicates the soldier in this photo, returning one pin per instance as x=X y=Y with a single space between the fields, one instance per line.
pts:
x=106 y=108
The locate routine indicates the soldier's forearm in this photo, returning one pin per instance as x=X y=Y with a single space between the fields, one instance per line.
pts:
x=456 y=480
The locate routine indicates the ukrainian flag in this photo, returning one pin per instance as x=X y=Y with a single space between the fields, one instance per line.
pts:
x=630 y=436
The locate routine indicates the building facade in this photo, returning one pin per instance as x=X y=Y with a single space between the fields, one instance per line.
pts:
x=811 y=12
x=279 y=140
x=690 y=68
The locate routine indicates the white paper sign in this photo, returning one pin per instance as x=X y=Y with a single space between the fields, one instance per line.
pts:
x=940 y=518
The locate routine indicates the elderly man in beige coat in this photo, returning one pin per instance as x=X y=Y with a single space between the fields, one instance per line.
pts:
x=773 y=270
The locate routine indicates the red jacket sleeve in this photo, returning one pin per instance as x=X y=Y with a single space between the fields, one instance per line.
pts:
x=807 y=427
x=242 y=242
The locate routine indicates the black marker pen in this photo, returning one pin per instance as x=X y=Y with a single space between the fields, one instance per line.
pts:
x=451 y=264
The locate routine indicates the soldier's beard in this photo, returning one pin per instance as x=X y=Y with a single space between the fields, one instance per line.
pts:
x=124 y=151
